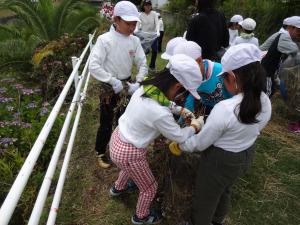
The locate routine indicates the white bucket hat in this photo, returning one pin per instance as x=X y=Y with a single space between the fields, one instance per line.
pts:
x=238 y=56
x=189 y=48
x=187 y=72
x=236 y=19
x=170 y=47
x=248 y=24
x=127 y=11
x=292 y=21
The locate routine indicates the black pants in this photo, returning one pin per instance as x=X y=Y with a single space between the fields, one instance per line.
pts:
x=108 y=117
x=160 y=40
x=153 y=54
x=217 y=172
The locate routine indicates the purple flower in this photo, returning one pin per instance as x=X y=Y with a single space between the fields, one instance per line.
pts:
x=31 y=105
x=43 y=111
x=3 y=90
x=27 y=91
x=7 y=80
x=16 y=115
x=4 y=99
x=10 y=108
x=7 y=141
x=37 y=90
x=18 y=86
x=15 y=123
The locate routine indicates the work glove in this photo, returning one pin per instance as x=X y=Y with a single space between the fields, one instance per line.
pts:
x=157 y=33
x=174 y=148
x=116 y=85
x=132 y=87
x=197 y=123
x=178 y=110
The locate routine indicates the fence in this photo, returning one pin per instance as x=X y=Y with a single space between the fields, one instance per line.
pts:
x=20 y=182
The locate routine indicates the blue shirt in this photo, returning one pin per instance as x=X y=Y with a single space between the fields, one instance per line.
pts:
x=212 y=90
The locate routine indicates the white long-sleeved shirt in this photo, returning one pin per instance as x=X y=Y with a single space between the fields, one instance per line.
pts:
x=145 y=119
x=266 y=45
x=113 y=56
x=223 y=129
x=232 y=35
x=240 y=40
x=161 y=24
x=149 y=22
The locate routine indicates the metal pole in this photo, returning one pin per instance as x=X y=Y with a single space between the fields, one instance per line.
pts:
x=20 y=182
x=74 y=62
x=60 y=184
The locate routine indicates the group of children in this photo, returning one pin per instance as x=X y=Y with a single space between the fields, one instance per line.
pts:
x=232 y=96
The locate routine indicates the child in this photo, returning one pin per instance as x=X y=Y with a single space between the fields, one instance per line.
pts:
x=212 y=89
x=247 y=35
x=146 y=117
x=233 y=27
x=111 y=63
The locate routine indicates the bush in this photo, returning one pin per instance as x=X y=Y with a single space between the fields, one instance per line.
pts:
x=22 y=116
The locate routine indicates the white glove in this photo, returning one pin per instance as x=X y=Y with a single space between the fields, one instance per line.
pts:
x=198 y=123
x=116 y=84
x=178 y=110
x=132 y=87
x=158 y=33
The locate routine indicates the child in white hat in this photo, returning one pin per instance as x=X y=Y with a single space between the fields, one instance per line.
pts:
x=247 y=33
x=111 y=62
x=227 y=139
x=233 y=27
x=147 y=116
x=212 y=89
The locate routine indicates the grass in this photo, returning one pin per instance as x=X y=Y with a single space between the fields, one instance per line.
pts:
x=268 y=194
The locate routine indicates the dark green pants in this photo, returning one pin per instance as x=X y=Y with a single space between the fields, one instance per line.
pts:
x=218 y=170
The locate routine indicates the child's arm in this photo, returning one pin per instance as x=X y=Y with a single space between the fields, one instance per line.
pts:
x=97 y=59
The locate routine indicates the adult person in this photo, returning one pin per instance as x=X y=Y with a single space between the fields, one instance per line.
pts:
x=284 y=44
x=212 y=89
x=161 y=31
x=233 y=27
x=150 y=24
x=247 y=33
x=227 y=139
x=146 y=117
x=209 y=30
x=117 y=45
x=266 y=45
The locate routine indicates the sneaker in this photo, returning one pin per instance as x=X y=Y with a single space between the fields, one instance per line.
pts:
x=131 y=186
x=103 y=162
x=294 y=127
x=153 y=218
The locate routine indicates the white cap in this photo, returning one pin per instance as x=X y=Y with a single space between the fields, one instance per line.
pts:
x=238 y=56
x=292 y=21
x=127 y=11
x=248 y=24
x=189 y=48
x=187 y=72
x=170 y=47
x=236 y=19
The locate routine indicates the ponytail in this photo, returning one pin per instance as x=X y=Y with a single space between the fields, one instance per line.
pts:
x=251 y=78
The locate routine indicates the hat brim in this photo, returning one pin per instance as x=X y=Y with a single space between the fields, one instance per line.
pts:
x=195 y=94
x=222 y=73
x=165 y=56
x=240 y=23
x=130 y=18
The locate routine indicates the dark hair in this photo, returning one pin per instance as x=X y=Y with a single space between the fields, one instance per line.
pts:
x=284 y=26
x=206 y=5
x=247 y=31
x=163 y=80
x=251 y=78
x=144 y=3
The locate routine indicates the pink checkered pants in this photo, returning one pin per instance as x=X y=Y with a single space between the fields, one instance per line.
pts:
x=133 y=164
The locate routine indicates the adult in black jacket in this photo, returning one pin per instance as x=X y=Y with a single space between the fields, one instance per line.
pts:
x=208 y=29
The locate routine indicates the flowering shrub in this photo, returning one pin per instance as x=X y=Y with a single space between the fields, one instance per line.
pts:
x=22 y=116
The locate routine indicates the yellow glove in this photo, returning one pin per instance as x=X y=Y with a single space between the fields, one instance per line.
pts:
x=174 y=148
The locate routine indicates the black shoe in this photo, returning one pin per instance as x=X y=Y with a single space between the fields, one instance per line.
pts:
x=153 y=218
x=131 y=187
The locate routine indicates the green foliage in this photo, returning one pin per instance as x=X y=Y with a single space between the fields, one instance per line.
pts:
x=22 y=116
x=39 y=23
